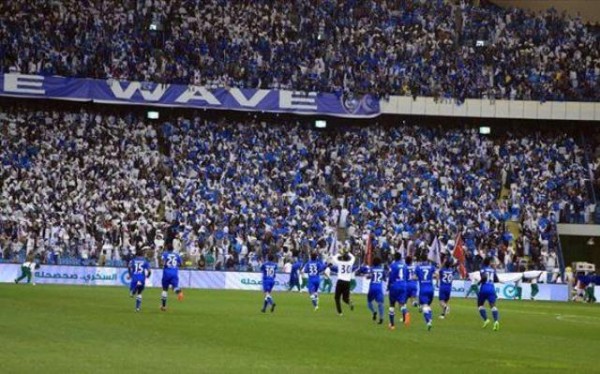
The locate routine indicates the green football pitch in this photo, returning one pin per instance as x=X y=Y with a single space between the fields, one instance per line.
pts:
x=64 y=329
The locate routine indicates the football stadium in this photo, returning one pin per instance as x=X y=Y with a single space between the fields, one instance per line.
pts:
x=304 y=186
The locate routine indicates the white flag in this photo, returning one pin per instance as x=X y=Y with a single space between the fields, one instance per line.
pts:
x=434 y=251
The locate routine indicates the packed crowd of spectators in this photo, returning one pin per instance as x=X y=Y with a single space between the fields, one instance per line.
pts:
x=594 y=166
x=98 y=188
x=548 y=180
x=443 y=49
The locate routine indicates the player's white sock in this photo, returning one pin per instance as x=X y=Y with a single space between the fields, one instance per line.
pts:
x=427 y=314
x=483 y=313
x=495 y=314
x=163 y=299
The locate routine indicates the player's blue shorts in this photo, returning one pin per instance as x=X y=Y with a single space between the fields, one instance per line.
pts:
x=398 y=295
x=411 y=290
x=445 y=293
x=170 y=280
x=268 y=285
x=486 y=294
x=426 y=295
x=375 y=294
x=295 y=281
x=313 y=285
x=135 y=288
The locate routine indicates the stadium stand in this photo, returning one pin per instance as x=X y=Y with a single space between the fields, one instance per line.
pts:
x=441 y=49
x=81 y=187
x=92 y=186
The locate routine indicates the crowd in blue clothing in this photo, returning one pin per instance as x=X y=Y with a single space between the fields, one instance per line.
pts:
x=442 y=49
x=96 y=186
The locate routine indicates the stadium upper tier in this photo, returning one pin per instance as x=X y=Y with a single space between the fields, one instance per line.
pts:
x=394 y=47
x=75 y=181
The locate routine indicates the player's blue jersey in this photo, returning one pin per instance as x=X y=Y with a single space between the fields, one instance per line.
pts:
x=377 y=276
x=171 y=263
x=268 y=270
x=446 y=277
x=398 y=274
x=313 y=269
x=295 y=269
x=139 y=269
x=488 y=277
x=412 y=275
x=425 y=275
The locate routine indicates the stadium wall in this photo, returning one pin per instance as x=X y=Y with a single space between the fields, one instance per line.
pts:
x=106 y=276
x=478 y=108
x=588 y=10
x=574 y=239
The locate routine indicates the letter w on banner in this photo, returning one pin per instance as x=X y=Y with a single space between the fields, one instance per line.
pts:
x=459 y=254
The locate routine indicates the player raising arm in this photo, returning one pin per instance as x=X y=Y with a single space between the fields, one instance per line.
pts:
x=268 y=270
x=487 y=292
x=344 y=264
x=171 y=263
x=139 y=270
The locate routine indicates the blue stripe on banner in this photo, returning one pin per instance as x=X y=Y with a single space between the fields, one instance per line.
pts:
x=175 y=95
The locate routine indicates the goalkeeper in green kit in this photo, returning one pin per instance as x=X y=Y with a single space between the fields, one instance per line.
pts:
x=327 y=284
x=535 y=289
x=474 y=286
x=27 y=271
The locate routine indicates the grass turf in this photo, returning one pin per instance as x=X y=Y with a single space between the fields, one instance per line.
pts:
x=95 y=329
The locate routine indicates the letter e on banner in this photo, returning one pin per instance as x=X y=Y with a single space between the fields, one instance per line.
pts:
x=24 y=84
x=298 y=100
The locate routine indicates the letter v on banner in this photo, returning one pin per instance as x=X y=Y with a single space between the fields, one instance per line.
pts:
x=197 y=93
x=133 y=87
x=253 y=102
